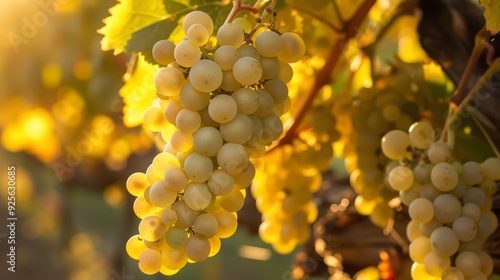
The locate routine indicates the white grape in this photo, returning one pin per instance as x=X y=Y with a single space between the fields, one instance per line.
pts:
x=207 y=141
x=465 y=228
x=429 y=192
x=435 y=264
x=163 y=52
x=197 y=34
x=245 y=178
x=198 y=17
x=444 y=242
x=150 y=262
x=419 y=248
x=491 y=169
x=270 y=67
x=198 y=168
x=395 y=144
x=439 y=152
x=452 y=273
x=168 y=217
x=205 y=226
x=222 y=108
x=277 y=89
x=174 y=259
x=230 y=34
x=197 y=196
x=160 y=195
x=238 y=130
x=248 y=51
x=413 y=230
x=244 y=23
x=176 y=237
x=197 y=248
x=169 y=81
x=421 y=209
x=247 y=71
x=422 y=173
x=229 y=83
x=469 y=263
x=220 y=182
x=444 y=177
x=227 y=223
x=421 y=135
x=175 y=179
x=247 y=101
x=474 y=195
x=192 y=98
x=232 y=158
x=472 y=173
x=226 y=56
x=401 y=178
x=233 y=201
x=188 y=121
x=407 y=196
x=272 y=126
x=181 y=141
x=151 y=228
x=205 y=75
x=285 y=73
x=266 y=104
x=426 y=229
x=185 y=215
x=471 y=211
x=187 y=54
x=172 y=109
x=447 y=208
x=292 y=49
x=268 y=43
x=487 y=264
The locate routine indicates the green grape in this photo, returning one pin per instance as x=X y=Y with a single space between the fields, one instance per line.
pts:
x=176 y=237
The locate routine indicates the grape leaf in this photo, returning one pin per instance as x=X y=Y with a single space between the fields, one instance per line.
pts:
x=491 y=14
x=128 y=17
x=138 y=92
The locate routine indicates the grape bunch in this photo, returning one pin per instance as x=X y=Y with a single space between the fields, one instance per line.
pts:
x=449 y=204
x=287 y=178
x=363 y=120
x=219 y=106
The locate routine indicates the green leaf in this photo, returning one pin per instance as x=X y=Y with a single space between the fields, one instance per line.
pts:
x=138 y=92
x=128 y=17
x=491 y=14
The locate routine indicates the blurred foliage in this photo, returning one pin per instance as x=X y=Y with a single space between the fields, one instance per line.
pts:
x=491 y=14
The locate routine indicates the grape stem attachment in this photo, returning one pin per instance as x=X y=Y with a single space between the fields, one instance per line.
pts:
x=238 y=7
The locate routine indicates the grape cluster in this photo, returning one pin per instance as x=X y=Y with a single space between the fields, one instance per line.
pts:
x=449 y=204
x=363 y=120
x=219 y=106
x=288 y=177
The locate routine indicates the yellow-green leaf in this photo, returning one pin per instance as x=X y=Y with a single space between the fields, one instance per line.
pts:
x=138 y=92
x=492 y=15
x=131 y=16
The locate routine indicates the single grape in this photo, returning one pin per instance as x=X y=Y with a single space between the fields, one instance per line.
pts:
x=444 y=241
x=163 y=52
x=395 y=144
x=205 y=75
x=268 y=43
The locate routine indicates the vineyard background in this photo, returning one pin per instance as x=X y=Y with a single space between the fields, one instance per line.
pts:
x=71 y=123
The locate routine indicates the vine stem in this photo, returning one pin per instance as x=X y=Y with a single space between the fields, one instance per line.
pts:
x=493 y=69
x=239 y=7
x=266 y=12
x=323 y=76
x=480 y=44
